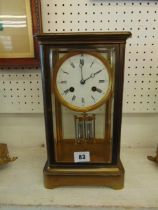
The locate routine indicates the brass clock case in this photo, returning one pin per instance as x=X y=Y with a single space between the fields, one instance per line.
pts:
x=83 y=148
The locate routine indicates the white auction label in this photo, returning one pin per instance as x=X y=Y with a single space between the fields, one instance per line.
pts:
x=81 y=157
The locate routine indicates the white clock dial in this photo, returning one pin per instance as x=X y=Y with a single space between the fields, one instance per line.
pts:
x=82 y=81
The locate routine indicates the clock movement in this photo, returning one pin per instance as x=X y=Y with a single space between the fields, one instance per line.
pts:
x=82 y=77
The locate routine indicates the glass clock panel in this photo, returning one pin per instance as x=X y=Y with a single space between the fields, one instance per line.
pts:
x=82 y=100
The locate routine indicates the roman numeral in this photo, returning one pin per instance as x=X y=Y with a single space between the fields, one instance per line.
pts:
x=99 y=90
x=65 y=72
x=66 y=91
x=73 y=98
x=92 y=64
x=82 y=62
x=72 y=64
x=93 y=98
x=101 y=81
x=83 y=100
x=63 y=82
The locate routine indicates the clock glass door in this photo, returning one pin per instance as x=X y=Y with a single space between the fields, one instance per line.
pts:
x=82 y=103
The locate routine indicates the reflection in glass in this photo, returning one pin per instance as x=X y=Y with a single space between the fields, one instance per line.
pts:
x=90 y=131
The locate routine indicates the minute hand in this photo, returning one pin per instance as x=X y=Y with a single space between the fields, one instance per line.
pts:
x=93 y=75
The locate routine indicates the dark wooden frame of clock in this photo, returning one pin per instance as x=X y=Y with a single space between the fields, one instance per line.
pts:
x=68 y=174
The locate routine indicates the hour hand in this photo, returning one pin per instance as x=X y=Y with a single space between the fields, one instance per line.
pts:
x=81 y=66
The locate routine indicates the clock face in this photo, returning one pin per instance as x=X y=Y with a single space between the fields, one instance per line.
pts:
x=82 y=81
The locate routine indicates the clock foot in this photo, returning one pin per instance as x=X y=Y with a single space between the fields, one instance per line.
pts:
x=112 y=177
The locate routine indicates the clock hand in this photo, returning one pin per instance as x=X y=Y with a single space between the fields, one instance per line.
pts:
x=82 y=62
x=97 y=72
x=93 y=75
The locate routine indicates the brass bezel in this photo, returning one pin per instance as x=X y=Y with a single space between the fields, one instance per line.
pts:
x=61 y=98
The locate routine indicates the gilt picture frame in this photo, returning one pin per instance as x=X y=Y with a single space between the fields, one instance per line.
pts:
x=19 y=21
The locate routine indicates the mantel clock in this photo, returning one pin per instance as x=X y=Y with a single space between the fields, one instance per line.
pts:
x=82 y=77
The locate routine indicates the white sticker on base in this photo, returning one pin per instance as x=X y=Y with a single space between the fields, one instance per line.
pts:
x=80 y=157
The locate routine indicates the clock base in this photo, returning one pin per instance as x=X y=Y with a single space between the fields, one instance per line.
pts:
x=112 y=176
